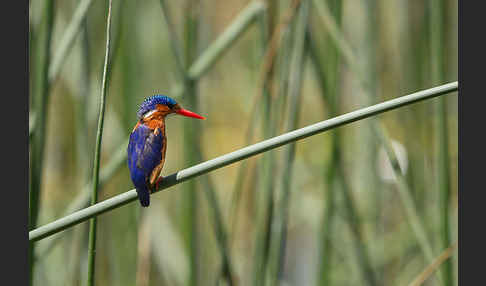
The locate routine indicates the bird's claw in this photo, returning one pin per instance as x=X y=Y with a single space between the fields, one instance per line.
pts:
x=159 y=180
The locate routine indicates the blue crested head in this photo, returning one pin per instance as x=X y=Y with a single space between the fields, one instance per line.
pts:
x=150 y=103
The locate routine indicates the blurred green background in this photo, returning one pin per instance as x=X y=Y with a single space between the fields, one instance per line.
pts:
x=346 y=222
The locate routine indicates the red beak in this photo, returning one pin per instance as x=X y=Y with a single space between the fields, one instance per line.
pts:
x=188 y=113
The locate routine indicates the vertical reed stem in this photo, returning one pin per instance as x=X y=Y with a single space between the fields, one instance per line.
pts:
x=219 y=229
x=40 y=103
x=97 y=157
x=191 y=137
x=364 y=81
x=264 y=202
x=354 y=218
x=296 y=75
x=436 y=25
x=328 y=79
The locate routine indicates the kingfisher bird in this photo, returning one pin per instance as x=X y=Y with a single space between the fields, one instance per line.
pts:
x=148 y=143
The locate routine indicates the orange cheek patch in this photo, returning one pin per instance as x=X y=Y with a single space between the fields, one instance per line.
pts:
x=163 y=108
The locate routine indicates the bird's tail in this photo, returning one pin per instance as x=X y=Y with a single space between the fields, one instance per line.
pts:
x=143 y=195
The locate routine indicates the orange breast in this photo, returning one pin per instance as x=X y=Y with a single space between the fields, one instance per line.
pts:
x=155 y=123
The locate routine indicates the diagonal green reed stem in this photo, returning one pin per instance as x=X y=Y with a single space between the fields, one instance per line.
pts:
x=97 y=157
x=200 y=65
x=174 y=43
x=225 y=40
x=241 y=154
x=334 y=32
x=72 y=31
x=343 y=47
x=69 y=37
x=405 y=194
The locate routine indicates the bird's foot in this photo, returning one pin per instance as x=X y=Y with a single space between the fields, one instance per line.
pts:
x=159 y=180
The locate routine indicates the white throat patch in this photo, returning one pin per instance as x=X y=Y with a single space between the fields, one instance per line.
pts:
x=147 y=115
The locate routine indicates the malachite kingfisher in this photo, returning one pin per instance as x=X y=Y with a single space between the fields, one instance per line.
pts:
x=148 y=143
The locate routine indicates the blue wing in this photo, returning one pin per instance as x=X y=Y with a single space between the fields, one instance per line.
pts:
x=144 y=154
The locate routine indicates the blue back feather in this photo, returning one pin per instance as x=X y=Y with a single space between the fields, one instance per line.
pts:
x=144 y=154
